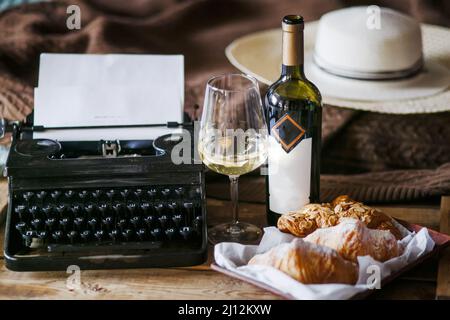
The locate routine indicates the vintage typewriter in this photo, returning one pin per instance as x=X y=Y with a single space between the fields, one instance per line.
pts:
x=102 y=204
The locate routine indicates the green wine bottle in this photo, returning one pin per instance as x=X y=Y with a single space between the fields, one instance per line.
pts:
x=294 y=115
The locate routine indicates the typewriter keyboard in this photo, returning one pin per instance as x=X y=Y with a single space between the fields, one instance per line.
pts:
x=139 y=218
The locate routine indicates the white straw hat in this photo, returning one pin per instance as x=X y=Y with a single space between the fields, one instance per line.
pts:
x=396 y=66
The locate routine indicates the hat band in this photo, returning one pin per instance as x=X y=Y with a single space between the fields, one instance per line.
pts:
x=365 y=75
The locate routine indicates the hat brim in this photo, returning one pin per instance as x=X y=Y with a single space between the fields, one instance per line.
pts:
x=259 y=54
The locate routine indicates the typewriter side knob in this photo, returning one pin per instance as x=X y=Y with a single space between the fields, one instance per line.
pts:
x=37 y=147
x=164 y=144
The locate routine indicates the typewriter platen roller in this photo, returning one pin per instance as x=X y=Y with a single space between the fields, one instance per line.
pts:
x=102 y=204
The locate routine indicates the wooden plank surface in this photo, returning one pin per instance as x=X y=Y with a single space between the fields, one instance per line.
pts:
x=197 y=282
x=443 y=280
x=127 y=284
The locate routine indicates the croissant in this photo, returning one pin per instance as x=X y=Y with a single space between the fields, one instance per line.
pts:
x=372 y=218
x=313 y=216
x=306 y=220
x=351 y=238
x=309 y=263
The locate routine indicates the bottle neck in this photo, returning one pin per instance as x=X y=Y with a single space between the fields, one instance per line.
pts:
x=292 y=72
x=293 y=53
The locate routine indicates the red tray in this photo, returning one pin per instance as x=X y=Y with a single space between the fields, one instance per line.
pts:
x=441 y=241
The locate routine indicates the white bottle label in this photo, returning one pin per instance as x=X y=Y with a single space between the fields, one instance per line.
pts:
x=289 y=176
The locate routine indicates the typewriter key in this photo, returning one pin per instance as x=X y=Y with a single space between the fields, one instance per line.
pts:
x=55 y=194
x=149 y=220
x=138 y=193
x=103 y=208
x=157 y=234
x=90 y=208
x=145 y=206
x=142 y=234
x=177 y=219
x=78 y=222
x=124 y=193
x=127 y=234
x=152 y=193
x=188 y=205
x=131 y=208
x=170 y=233
x=122 y=223
x=107 y=222
x=163 y=220
x=159 y=208
x=165 y=192
x=50 y=223
x=61 y=208
x=72 y=236
x=85 y=235
x=57 y=235
x=21 y=226
x=83 y=194
x=69 y=194
x=28 y=237
x=42 y=234
x=20 y=210
x=110 y=194
x=76 y=210
x=36 y=223
x=41 y=195
x=92 y=223
x=179 y=192
x=64 y=222
x=34 y=211
x=186 y=232
x=99 y=235
x=118 y=208
x=135 y=221
x=173 y=206
x=47 y=209
x=114 y=235
x=97 y=194
x=28 y=195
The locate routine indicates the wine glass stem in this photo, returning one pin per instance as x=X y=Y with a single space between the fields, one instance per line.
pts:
x=234 y=198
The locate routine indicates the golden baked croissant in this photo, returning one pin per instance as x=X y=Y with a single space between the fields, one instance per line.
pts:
x=313 y=216
x=306 y=220
x=372 y=218
x=351 y=238
x=309 y=263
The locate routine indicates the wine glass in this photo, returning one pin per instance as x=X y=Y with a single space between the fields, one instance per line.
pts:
x=233 y=141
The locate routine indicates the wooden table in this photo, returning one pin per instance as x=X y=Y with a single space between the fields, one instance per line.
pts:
x=201 y=282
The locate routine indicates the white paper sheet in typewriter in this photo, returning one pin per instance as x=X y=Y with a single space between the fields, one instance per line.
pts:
x=113 y=89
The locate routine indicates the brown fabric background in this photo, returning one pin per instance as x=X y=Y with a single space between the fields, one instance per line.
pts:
x=374 y=157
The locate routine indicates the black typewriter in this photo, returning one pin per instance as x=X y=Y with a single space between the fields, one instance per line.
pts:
x=102 y=204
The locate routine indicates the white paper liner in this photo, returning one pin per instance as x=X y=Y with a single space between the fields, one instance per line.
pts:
x=234 y=257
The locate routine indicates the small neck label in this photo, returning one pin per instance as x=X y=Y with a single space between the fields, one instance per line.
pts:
x=292 y=48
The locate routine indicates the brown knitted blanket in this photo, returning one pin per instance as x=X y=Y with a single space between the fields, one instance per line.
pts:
x=373 y=157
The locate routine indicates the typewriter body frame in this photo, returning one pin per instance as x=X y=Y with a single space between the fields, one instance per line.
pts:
x=39 y=172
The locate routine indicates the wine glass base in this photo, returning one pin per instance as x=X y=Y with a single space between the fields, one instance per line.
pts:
x=240 y=232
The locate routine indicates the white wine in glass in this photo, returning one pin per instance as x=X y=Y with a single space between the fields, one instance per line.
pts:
x=220 y=156
x=233 y=141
